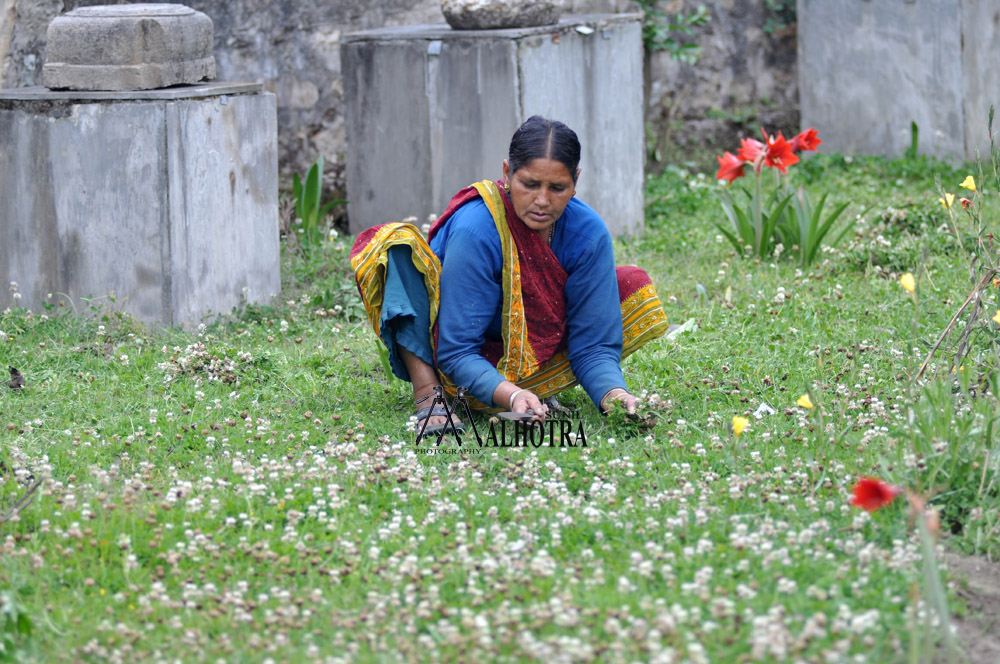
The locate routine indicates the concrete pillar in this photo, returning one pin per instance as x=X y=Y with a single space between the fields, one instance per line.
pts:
x=166 y=198
x=431 y=110
x=869 y=69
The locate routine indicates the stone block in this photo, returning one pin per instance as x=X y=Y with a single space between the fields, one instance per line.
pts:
x=498 y=14
x=128 y=47
x=430 y=110
x=168 y=199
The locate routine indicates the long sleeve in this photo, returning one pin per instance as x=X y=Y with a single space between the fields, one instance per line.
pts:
x=471 y=298
x=593 y=309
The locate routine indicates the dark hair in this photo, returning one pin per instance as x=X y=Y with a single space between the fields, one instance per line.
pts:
x=539 y=138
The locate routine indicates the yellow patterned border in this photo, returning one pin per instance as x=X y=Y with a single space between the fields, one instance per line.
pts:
x=643 y=319
x=370 y=266
x=518 y=358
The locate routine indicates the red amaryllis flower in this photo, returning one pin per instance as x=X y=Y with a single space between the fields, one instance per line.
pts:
x=807 y=140
x=730 y=167
x=750 y=149
x=779 y=154
x=872 y=494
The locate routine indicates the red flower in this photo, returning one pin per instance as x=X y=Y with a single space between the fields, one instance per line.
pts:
x=779 y=154
x=807 y=140
x=750 y=149
x=730 y=167
x=872 y=494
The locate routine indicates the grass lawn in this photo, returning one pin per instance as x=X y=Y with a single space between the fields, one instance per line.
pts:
x=250 y=491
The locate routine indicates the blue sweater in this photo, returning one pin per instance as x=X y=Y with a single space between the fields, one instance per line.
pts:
x=472 y=299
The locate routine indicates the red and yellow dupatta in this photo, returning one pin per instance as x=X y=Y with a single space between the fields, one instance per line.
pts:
x=533 y=318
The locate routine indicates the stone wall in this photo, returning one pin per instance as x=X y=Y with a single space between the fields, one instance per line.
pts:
x=745 y=75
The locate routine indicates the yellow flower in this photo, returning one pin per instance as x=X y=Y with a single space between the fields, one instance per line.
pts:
x=969 y=183
x=996 y=317
x=947 y=200
x=907 y=282
x=739 y=424
x=805 y=402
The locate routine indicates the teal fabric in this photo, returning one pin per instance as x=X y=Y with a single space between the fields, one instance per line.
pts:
x=406 y=312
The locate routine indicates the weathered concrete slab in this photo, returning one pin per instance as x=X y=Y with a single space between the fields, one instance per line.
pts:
x=128 y=47
x=869 y=69
x=163 y=94
x=170 y=204
x=604 y=107
x=431 y=109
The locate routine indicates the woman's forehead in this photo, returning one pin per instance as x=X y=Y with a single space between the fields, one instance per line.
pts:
x=544 y=168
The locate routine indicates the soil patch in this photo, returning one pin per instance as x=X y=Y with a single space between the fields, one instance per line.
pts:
x=977 y=582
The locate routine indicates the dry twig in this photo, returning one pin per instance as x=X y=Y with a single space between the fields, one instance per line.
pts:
x=973 y=296
x=22 y=502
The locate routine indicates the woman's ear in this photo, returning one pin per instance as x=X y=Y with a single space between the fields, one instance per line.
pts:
x=577 y=178
x=506 y=171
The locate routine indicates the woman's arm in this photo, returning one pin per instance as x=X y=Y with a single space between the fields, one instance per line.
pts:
x=471 y=295
x=593 y=312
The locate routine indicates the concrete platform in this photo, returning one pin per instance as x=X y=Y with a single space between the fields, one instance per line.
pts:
x=869 y=69
x=166 y=198
x=431 y=110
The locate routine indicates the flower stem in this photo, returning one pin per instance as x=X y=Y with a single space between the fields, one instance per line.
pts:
x=758 y=226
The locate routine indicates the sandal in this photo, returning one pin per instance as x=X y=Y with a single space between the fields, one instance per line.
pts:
x=426 y=412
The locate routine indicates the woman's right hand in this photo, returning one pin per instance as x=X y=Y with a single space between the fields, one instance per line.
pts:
x=525 y=400
x=519 y=400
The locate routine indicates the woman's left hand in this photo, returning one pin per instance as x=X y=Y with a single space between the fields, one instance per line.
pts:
x=621 y=395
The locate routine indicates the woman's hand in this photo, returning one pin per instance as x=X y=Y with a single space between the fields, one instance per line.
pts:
x=524 y=401
x=519 y=400
x=618 y=394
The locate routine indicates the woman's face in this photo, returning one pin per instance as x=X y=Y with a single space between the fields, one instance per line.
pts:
x=540 y=192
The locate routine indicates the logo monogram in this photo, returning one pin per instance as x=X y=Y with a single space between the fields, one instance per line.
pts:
x=532 y=432
x=439 y=399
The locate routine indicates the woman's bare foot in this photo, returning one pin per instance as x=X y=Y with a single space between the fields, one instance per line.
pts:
x=424 y=380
